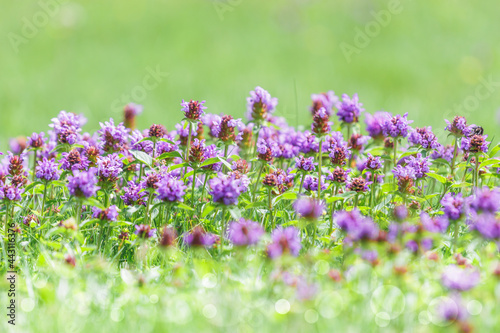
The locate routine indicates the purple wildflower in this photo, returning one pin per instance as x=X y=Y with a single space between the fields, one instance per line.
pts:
x=419 y=164
x=36 y=140
x=374 y=123
x=338 y=175
x=486 y=200
x=453 y=206
x=437 y=224
x=199 y=238
x=10 y=192
x=373 y=162
x=113 y=137
x=67 y=127
x=134 y=195
x=475 y=144
x=307 y=142
x=325 y=100
x=267 y=149
x=458 y=127
x=358 y=185
x=109 y=214
x=397 y=126
x=406 y=176
x=83 y=184
x=74 y=161
x=284 y=240
x=171 y=189
x=109 y=168
x=357 y=226
x=193 y=110
x=245 y=232
x=444 y=152
x=451 y=309
x=226 y=189
x=309 y=208
x=224 y=127
x=458 y=278
x=311 y=183
x=488 y=225
x=321 y=122
x=349 y=109
x=145 y=146
x=424 y=137
x=260 y=104
x=47 y=170
x=305 y=163
x=144 y=231
x=130 y=111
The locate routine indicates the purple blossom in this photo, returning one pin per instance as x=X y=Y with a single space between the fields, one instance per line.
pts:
x=67 y=127
x=488 y=225
x=453 y=206
x=373 y=162
x=325 y=100
x=307 y=142
x=461 y=279
x=245 y=232
x=437 y=224
x=36 y=140
x=83 y=184
x=109 y=167
x=134 y=194
x=397 y=126
x=47 y=170
x=309 y=208
x=226 y=189
x=305 y=163
x=358 y=184
x=444 y=152
x=144 y=231
x=260 y=104
x=74 y=161
x=193 y=110
x=163 y=146
x=113 y=137
x=458 y=127
x=284 y=240
x=424 y=137
x=404 y=172
x=109 y=214
x=199 y=238
x=338 y=175
x=321 y=122
x=375 y=122
x=10 y=192
x=224 y=127
x=311 y=183
x=349 y=109
x=419 y=164
x=357 y=226
x=171 y=189
x=486 y=200
x=145 y=146
x=267 y=149
x=475 y=144
x=451 y=309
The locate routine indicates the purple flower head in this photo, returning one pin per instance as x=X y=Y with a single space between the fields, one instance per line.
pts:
x=83 y=184
x=284 y=240
x=444 y=152
x=338 y=175
x=36 y=140
x=486 y=200
x=373 y=162
x=74 y=161
x=358 y=185
x=488 y=225
x=305 y=163
x=144 y=231
x=406 y=176
x=370 y=256
x=454 y=206
x=321 y=122
x=400 y=212
x=199 y=238
x=458 y=127
x=437 y=224
x=349 y=109
x=67 y=127
x=113 y=137
x=130 y=111
x=325 y=100
x=224 y=127
x=339 y=155
x=171 y=189
x=357 y=142
x=17 y=145
x=357 y=226
x=109 y=168
x=145 y=146
x=397 y=126
x=458 y=278
x=47 y=170
x=260 y=104
x=311 y=183
x=419 y=164
x=307 y=142
x=167 y=147
x=245 y=232
x=475 y=144
x=193 y=110
x=10 y=192
x=109 y=214
x=451 y=309
x=374 y=123
x=309 y=208
x=134 y=195
x=424 y=137
x=267 y=149
x=226 y=189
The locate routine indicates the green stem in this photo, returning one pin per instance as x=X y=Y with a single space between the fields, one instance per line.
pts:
x=150 y=200
x=6 y=230
x=330 y=229
x=186 y=155
x=302 y=182
x=257 y=181
x=270 y=206
x=222 y=228
x=193 y=185
x=319 y=167
x=34 y=165
x=394 y=160
x=455 y=238
x=44 y=199
x=455 y=153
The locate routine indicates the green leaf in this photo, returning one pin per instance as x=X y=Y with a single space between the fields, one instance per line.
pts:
x=226 y=163
x=207 y=209
x=235 y=157
x=489 y=161
x=235 y=212
x=210 y=161
x=494 y=150
x=461 y=184
x=169 y=155
x=177 y=166
x=183 y=206
x=285 y=196
x=142 y=157
x=256 y=204
x=437 y=177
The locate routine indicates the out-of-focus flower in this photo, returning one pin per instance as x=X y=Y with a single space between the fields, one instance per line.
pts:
x=108 y=214
x=226 y=189
x=167 y=237
x=374 y=123
x=311 y=183
x=454 y=206
x=460 y=278
x=488 y=225
x=325 y=100
x=486 y=200
x=357 y=226
x=309 y=208
x=245 y=232
x=199 y=238
x=437 y=224
x=144 y=231
x=284 y=240
x=171 y=189
x=130 y=111
x=451 y=309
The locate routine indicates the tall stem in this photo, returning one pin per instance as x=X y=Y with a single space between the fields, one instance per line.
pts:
x=319 y=167
x=44 y=199
x=455 y=153
x=302 y=182
x=192 y=188
x=34 y=165
x=270 y=206
x=186 y=155
x=394 y=160
x=6 y=230
x=150 y=200
x=222 y=228
x=455 y=237
x=257 y=181
x=336 y=188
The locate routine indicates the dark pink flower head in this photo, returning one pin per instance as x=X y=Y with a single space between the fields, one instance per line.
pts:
x=460 y=278
x=198 y=237
x=144 y=231
x=36 y=140
x=245 y=232
x=475 y=144
x=349 y=110
x=10 y=192
x=193 y=110
x=284 y=240
x=309 y=208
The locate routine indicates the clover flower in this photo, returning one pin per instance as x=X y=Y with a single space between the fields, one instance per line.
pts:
x=245 y=232
x=309 y=208
x=83 y=184
x=47 y=170
x=109 y=214
x=460 y=279
x=260 y=104
x=397 y=126
x=454 y=206
x=193 y=110
x=349 y=109
x=284 y=240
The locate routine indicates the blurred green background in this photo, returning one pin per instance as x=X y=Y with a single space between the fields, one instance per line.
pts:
x=428 y=58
